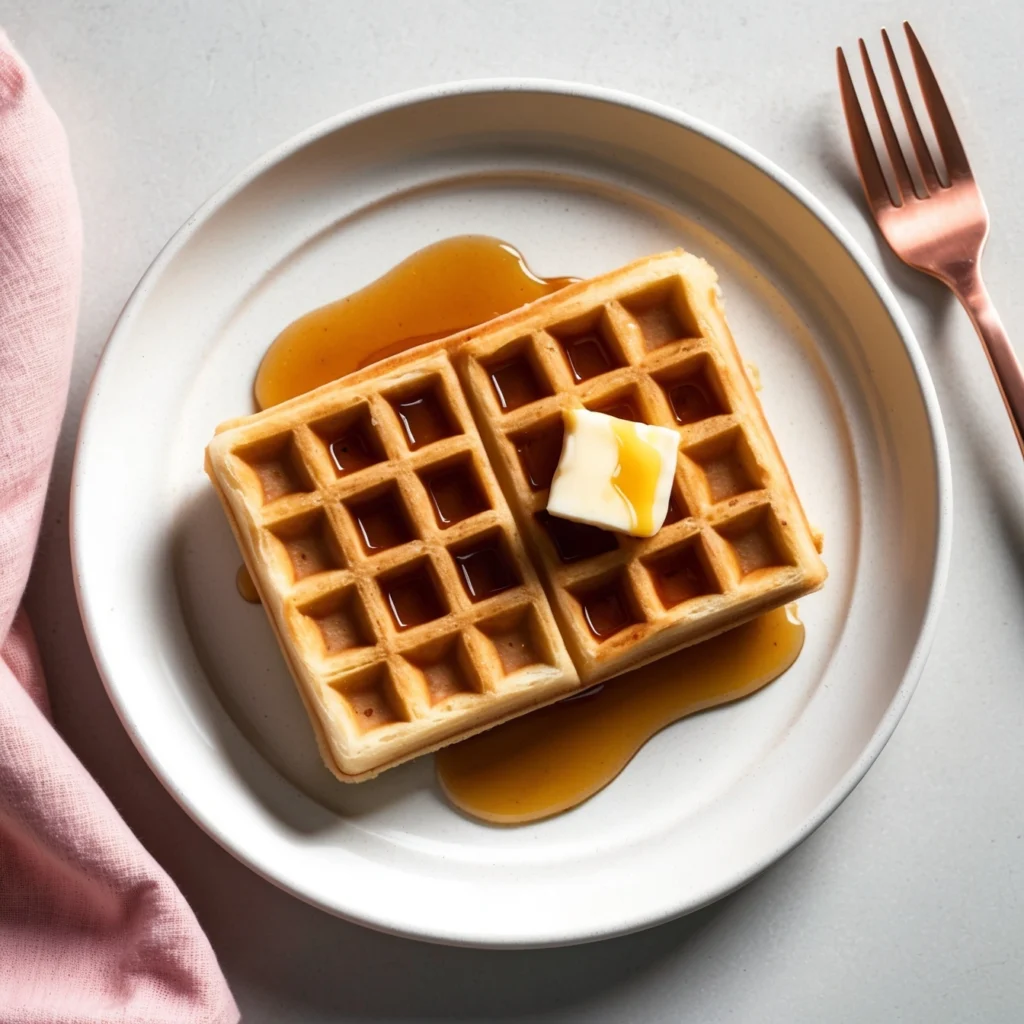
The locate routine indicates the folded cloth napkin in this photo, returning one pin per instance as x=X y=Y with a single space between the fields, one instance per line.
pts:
x=91 y=928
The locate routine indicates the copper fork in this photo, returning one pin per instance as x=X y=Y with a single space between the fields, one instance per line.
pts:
x=936 y=226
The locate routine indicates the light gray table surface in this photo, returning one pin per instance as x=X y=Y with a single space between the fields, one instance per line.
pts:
x=908 y=904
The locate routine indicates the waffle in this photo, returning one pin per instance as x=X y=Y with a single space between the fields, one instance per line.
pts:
x=394 y=521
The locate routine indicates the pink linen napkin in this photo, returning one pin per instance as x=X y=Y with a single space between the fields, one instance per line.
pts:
x=91 y=928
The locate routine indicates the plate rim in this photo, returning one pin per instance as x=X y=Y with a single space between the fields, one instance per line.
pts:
x=883 y=731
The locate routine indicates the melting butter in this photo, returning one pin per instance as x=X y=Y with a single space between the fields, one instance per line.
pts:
x=613 y=473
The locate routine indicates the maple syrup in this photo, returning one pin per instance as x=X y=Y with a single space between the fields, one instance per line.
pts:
x=606 y=609
x=588 y=356
x=575 y=541
x=413 y=598
x=636 y=476
x=539 y=453
x=557 y=757
x=355 y=449
x=624 y=408
x=455 y=494
x=485 y=569
x=423 y=419
x=381 y=521
x=446 y=287
x=245 y=586
x=515 y=383
x=553 y=759
x=692 y=401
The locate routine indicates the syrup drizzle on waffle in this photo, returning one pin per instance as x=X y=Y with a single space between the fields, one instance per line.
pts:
x=479 y=775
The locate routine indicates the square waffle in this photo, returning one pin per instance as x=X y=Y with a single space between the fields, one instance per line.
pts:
x=648 y=343
x=388 y=560
x=394 y=520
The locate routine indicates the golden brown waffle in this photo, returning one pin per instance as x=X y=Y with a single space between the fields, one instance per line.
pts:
x=363 y=576
x=650 y=343
x=645 y=342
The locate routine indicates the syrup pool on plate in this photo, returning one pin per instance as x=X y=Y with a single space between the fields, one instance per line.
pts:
x=440 y=290
x=246 y=588
x=552 y=759
x=555 y=758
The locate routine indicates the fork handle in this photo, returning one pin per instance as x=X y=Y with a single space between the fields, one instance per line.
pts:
x=1007 y=369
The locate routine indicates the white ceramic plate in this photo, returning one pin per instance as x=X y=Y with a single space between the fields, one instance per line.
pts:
x=581 y=180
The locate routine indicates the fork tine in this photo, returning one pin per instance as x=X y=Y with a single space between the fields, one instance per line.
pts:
x=904 y=183
x=924 y=156
x=945 y=130
x=870 y=169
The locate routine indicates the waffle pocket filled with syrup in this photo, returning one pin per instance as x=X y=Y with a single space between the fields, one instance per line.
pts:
x=394 y=521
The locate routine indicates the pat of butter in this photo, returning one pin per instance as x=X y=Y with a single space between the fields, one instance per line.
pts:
x=614 y=473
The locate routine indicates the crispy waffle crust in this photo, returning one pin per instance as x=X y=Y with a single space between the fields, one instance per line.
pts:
x=393 y=521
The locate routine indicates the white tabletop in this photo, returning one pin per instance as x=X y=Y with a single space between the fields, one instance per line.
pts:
x=908 y=904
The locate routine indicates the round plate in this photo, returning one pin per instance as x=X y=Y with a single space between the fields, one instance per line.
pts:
x=581 y=180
